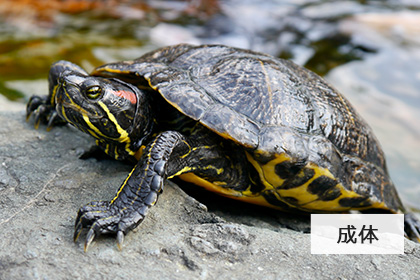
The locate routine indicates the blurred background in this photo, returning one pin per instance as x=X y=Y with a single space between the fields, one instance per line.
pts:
x=368 y=49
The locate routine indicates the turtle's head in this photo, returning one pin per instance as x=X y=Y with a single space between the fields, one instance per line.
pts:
x=114 y=112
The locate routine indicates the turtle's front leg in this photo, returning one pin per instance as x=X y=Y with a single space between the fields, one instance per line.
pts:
x=42 y=108
x=135 y=196
x=43 y=111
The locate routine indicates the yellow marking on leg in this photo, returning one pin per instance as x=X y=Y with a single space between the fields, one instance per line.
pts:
x=123 y=185
x=139 y=152
x=125 y=181
x=218 y=170
x=189 y=149
x=187 y=169
x=195 y=148
x=116 y=152
x=182 y=171
x=145 y=170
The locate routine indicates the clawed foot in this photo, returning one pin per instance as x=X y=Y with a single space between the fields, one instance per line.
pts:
x=102 y=217
x=43 y=111
x=412 y=227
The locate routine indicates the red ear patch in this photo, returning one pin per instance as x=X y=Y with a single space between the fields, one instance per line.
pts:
x=130 y=96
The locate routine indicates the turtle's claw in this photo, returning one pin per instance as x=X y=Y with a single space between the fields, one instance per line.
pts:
x=89 y=238
x=412 y=227
x=28 y=115
x=39 y=113
x=120 y=239
x=102 y=217
x=43 y=112
x=33 y=103
x=52 y=118
x=77 y=231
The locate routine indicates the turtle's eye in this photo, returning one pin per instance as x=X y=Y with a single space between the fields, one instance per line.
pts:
x=93 y=92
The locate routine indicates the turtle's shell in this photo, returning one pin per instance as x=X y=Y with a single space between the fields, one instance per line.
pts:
x=310 y=148
x=252 y=98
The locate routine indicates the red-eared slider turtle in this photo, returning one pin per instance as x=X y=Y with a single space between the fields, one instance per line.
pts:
x=239 y=123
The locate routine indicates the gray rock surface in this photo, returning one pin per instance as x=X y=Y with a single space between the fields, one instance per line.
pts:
x=43 y=183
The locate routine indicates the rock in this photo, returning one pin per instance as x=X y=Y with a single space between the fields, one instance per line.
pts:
x=44 y=183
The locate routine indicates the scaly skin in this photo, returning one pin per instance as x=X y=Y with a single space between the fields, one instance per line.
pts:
x=135 y=196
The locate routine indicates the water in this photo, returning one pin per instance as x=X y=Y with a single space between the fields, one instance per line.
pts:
x=370 y=50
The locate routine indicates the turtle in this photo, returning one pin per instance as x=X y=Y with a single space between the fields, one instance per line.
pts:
x=244 y=124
